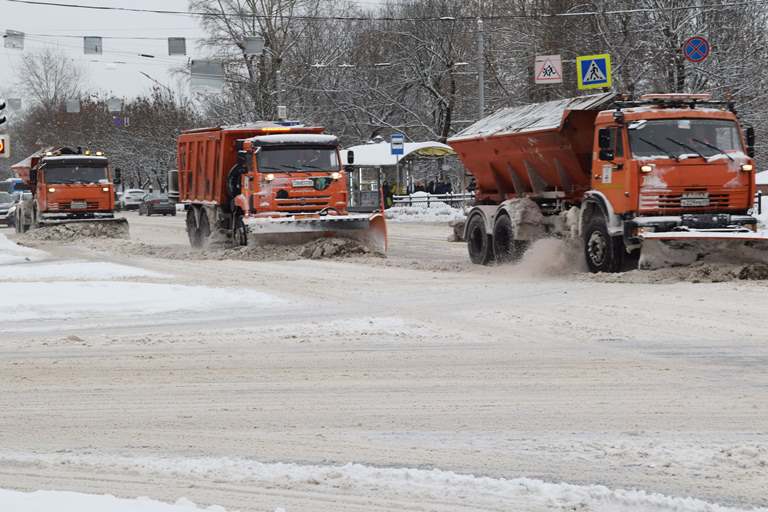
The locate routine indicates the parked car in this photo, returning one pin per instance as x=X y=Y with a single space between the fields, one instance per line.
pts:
x=131 y=199
x=157 y=204
x=6 y=202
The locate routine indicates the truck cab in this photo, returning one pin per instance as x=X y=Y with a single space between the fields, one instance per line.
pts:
x=673 y=162
x=292 y=174
x=74 y=186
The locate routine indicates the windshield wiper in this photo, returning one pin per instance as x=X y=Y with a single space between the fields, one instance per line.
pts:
x=686 y=146
x=665 y=151
x=712 y=146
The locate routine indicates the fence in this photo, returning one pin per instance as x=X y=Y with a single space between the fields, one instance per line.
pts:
x=426 y=200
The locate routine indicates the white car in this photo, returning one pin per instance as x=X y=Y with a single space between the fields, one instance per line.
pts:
x=131 y=199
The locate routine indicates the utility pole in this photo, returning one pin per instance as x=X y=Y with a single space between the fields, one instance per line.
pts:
x=481 y=67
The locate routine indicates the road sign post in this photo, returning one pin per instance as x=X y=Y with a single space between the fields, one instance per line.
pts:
x=548 y=69
x=696 y=49
x=593 y=71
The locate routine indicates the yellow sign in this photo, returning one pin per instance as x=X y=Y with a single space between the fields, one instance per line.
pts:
x=4 y=153
x=594 y=71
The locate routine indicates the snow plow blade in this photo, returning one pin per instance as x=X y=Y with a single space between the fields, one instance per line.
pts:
x=369 y=230
x=677 y=249
x=86 y=228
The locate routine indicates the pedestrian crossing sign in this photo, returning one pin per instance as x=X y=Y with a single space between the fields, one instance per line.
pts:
x=594 y=71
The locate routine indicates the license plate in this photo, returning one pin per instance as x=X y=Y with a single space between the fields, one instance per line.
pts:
x=303 y=183
x=79 y=205
x=694 y=199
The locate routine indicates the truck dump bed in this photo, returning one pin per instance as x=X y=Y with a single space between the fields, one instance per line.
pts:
x=533 y=149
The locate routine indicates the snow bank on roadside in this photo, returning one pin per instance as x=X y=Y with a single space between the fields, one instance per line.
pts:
x=411 y=485
x=57 y=501
x=437 y=211
x=13 y=253
x=64 y=300
x=93 y=270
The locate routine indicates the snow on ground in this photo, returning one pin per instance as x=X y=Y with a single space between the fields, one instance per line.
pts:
x=12 y=253
x=403 y=484
x=96 y=270
x=421 y=211
x=56 y=501
x=84 y=293
x=77 y=300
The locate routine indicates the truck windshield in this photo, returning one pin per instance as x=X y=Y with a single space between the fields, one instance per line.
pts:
x=665 y=138
x=75 y=174
x=295 y=158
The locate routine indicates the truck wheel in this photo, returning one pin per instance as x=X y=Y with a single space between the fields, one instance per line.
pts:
x=505 y=247
x=479 y=243
x=239 y=231
x=603 y=252
x=193 y=232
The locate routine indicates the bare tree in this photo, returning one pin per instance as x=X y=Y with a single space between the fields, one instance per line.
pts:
x=49 y=77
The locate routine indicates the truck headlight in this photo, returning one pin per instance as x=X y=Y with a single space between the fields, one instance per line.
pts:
x=335 y=175
x=105 y=189
x=747 y=167
x=51 y=189
x=646 y=168
x=269 y=177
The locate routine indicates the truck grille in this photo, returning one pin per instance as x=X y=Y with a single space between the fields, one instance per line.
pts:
x=302 y=204
x=673 y=200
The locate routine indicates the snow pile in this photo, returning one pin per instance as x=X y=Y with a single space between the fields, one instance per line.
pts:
x=55 y=501
x=72 y=270
x=697 y=273
x=401 y=484
x=12 y=253
x=332 y=248
x=77 y=230
x=421 y=211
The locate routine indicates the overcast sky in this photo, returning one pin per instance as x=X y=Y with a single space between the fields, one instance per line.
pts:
x=117 y=70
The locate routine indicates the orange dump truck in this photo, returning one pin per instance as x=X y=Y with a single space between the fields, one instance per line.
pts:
x=268 y=182
x=68 y=186
x=670 y=174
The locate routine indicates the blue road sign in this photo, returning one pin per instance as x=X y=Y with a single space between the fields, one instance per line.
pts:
x=696 y=49
x=396 y=143
x=594 y=71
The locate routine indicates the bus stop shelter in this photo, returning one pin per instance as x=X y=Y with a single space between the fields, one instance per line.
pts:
x=374 y=164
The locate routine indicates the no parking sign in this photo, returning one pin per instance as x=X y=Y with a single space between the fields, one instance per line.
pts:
x=696 y=49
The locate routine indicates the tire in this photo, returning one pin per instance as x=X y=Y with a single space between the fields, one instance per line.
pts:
x=193 y=231
x=479 y=243
x=239 y=231
x=505 y=247
x=603 y=252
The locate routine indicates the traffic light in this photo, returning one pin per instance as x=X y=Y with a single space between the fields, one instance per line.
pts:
x=2 y=107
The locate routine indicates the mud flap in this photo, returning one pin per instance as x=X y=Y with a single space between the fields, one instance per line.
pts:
x=676 y=249
x=369 y=231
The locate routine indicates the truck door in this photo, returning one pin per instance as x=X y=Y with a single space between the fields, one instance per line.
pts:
x=610 y=175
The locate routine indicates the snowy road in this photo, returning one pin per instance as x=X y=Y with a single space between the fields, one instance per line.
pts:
x=252 y=385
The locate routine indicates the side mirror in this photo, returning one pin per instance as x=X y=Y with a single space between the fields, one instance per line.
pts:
x=118 y=177
x=750 y=142
x=605 y=143
x=350 y=157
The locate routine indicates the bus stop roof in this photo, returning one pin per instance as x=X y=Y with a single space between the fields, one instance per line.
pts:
x=380 y=154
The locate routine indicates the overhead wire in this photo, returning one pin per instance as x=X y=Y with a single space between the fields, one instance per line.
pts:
x=500 y=17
